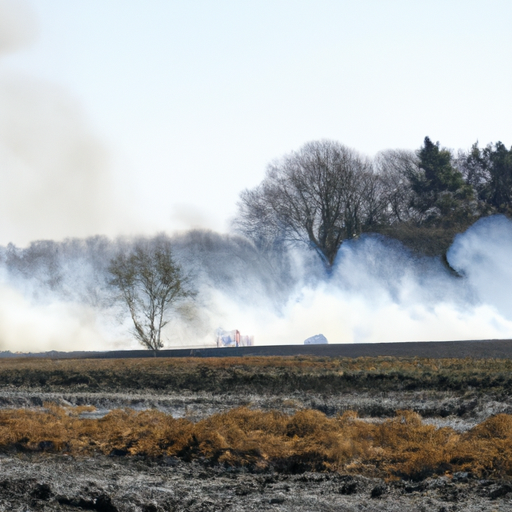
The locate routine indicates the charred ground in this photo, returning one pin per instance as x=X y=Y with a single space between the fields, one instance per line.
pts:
x=260 y=375
x=255 y=433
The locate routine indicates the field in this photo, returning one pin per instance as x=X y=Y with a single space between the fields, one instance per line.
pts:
x=254 y=433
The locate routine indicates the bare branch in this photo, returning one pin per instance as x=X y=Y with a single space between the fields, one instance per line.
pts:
x=150 y=282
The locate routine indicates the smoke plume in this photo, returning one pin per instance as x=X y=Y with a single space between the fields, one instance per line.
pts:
x=56 y=294
x=55 y=171
x=17 y=25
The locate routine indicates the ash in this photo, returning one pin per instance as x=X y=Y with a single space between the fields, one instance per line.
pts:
x=110 y=484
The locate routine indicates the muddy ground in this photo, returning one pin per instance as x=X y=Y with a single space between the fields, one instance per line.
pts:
x=441 y=408
x=112 y=484
x=447 y=394
x=119 y=483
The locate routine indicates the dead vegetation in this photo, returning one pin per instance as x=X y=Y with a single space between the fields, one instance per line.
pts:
x=401 y=447
x=259 y=374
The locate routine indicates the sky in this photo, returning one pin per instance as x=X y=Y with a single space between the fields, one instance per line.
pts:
x=124 y=117
x=127 y=117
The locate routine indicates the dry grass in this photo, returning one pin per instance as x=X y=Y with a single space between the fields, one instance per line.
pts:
x=402 y=447
x=259 y=374
x=314 y=362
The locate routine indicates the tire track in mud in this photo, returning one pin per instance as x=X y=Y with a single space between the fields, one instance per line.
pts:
x=439 y=409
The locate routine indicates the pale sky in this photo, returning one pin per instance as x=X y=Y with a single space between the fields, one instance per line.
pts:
x=125 y=116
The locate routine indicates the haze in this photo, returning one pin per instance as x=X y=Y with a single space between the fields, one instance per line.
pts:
x=130 y=117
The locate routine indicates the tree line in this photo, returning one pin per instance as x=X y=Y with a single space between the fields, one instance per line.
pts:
x=325 y=193
x=156 y=283
x=322 y=195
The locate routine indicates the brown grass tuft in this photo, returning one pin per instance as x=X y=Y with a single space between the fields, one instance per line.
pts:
x=402 y=447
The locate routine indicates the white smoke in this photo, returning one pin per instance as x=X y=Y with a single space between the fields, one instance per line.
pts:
x=55 y=183
x=55 y=294
x=55 y=171
x=17 y=25
x=380 y=292
x=484 y=255
x=55 y=326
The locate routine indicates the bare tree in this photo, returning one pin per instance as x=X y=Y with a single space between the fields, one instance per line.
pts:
x=150 y=283
x=320 y=195
x=395 y=168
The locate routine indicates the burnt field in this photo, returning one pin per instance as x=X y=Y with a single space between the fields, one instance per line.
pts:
x=256 y=433
x=481 y=349
x=263 y=375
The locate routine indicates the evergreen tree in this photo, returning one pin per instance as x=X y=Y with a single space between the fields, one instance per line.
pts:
x=489 y=172
x=440 y=192
x=499 y=193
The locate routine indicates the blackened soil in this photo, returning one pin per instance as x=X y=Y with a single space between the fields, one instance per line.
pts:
x=456 y=393
x=110 y=484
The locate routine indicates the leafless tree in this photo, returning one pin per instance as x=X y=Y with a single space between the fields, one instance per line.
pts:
x=395 y=167
x=320 y=195
x=149 y=282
